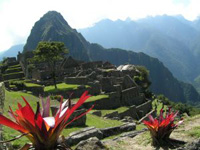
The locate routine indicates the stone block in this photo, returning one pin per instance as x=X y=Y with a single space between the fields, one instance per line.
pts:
x=76 y=137
x=131 y=97
x=118 y=129
x=112 y=115
x=132 y=112
x=92 y=143
x=97 y=113
x=76 y=80
x=144 y=108
x=107 y=85
x=128 y=82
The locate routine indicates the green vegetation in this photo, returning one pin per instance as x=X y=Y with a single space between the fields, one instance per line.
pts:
x=18 y=83
x=142 y=79
x=119 y=110
x=31 y=85
x=12 y=98
x=157 y=105
x=50 y=53
x=13 y=73
x=182 y=108
x=195 y=132
x=15 y=66
x=60 y=87
x=140 y=126
x=98 y=97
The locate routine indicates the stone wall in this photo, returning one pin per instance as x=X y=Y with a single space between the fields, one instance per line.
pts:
x=2 y=99
x=131 y=96
x=35 y=90
x=144 y=108
x=130 y=112
x=76 y=80
x=107 y=85
x=104 y=103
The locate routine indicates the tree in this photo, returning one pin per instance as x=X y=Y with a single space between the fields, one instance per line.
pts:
x=50 y=53
x=142 y=79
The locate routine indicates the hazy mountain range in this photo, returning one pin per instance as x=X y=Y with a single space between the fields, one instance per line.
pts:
x=12 y=52
x=172 y=39
x=53 y=27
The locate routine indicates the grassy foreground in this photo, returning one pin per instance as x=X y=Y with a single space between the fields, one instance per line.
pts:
x=12 y=98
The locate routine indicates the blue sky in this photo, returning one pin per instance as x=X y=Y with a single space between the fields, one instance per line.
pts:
x=18 y=16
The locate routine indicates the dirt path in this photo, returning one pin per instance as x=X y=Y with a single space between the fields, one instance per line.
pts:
x=143 y=141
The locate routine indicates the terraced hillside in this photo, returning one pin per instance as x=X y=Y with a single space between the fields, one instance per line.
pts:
x=14 y=71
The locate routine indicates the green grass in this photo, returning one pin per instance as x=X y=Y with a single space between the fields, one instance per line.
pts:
x=99 y=122
x=120 y=110
x=32 y=85
x=60 y=87
x=98 y=97
x=195 y=132
x=12 y=98
x=15 y=66
x=13 y=73
x=92 y=98
x=140 y=126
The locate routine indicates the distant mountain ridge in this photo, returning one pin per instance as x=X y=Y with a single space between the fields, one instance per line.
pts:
x=53 y=27
x=172 y=39
x=12 y=52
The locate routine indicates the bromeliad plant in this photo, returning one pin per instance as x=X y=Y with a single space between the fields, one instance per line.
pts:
x=40 y=128
x=161 y=128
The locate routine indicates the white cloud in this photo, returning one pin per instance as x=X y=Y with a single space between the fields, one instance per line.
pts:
x=18 y=16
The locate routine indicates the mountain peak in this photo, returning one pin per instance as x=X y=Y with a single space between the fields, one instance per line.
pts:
x=48 y=28
x=54 y=16
x=53 y=27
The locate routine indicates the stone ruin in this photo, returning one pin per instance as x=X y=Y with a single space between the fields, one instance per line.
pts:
x=102 y=78
x=116 y=82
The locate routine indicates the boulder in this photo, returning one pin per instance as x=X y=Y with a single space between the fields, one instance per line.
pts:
x=130 y=134
x=90 y=144
x=195 y=145
x=77 y=123
x=128 y=127
x=112 y=115
x=118 y=129
x=76 y=137
x=97 y=113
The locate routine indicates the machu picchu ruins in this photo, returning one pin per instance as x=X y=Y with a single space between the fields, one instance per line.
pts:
x=114 y=86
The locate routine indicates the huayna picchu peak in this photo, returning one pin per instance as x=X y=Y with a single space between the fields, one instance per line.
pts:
x=53 y=27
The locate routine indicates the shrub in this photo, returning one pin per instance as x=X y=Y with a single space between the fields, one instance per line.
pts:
x=161 y=128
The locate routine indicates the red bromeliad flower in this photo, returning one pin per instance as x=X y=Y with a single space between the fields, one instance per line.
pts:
x=161 y=128
x=40 y=128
